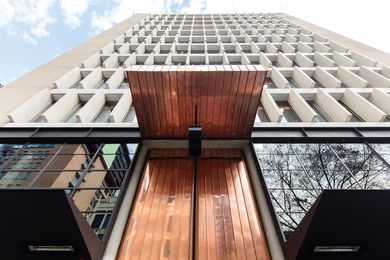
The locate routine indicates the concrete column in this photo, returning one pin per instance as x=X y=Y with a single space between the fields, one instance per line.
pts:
x=33 y=107
x=303 y=80
x=244 y=59
x=238 y=48
x=57 y=112
x=131 y=60
x=262 y=39
x=337 y=47
x=319 y=38
x=362 y=107
x=278 y=78
x=350 y=79
x=259 y=192
x=120 y=39
x=304 y=38
x=111 y=62
x=323 y=61
x=303 y=61
x=92 y=79
x=271 y=48
x=292 y=31
x=385 y=71
x=121 y=109
x=140 y=49
x=92 y=62
x=287 y=48
x=380 y=99
x=264 y=60
x=270 y=107
x=254 y=48
x=301 y=107
x=326 y=79
x=283 y=60
x=320 y=47
x=332 y=107
x=290 y=38
x=109 y=48
x=275 y=38
x=302 y=47
x=342 y=60
x=124 y=49
x=69 y=79
x=91 y=108
x=376 y=80
x=363 y=60
x=116 y=79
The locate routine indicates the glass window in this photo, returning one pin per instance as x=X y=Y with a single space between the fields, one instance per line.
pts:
x=321 y=115
x=261 y=115
x=97 y=221
x=289 y=114
x=106 y=221
x=72 y=117
x=383 y=150
x=295 y=174
x=104 y=114
x=130 y=115
x=293 y=83
x=355 y=117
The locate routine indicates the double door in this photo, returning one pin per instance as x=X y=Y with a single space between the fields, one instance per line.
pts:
x=194 y=209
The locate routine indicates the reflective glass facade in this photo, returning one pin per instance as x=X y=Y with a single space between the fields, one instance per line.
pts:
x=93 y=175
x=295 y=174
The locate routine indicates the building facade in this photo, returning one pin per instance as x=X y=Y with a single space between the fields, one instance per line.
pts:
x=287 y=110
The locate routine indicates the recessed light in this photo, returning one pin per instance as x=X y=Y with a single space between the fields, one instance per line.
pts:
x=336 y=249
x=51 y=248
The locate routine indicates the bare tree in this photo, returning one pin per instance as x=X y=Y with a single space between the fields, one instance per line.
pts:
x=296 y=174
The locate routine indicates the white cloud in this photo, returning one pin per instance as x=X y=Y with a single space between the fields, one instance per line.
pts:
x=26 y=19
x=7 y=11
x=27 y=37
x=124 y=9
x=194 y=7
x=73 y=10
x=241 y=6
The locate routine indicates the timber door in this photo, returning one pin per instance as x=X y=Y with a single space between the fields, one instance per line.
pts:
x=194 y=209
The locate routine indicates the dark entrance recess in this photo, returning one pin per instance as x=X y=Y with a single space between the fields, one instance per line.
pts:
x=44 y=224
x=343 y=224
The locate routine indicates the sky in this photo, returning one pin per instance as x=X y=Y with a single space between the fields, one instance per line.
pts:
x=32 y=32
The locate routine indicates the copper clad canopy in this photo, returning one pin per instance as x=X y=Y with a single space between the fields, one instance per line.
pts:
x=226 y=97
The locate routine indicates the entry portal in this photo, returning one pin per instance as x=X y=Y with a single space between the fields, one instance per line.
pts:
x=187 y=209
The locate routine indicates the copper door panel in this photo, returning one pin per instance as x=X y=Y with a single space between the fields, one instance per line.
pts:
x=228 y=225
x=226 y=96
x=160 y=222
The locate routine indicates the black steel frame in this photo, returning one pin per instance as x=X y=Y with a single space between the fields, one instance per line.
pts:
x=265 y=134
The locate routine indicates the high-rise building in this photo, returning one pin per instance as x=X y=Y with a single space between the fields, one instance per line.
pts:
x=204 y=136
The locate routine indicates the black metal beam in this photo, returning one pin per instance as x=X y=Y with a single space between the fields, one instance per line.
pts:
x=69 y=135
x=279 y=134
x=321 y=134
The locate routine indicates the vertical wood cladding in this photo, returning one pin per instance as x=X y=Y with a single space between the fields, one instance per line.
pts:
x=227 y=223
x=227 y=97
x=160 y=222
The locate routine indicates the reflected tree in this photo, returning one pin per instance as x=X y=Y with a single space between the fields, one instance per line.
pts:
x=296 y=174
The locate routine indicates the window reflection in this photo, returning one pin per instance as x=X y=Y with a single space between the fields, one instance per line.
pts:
x=92 y=174
x=288 y=112
x=295 y=174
